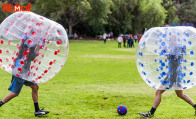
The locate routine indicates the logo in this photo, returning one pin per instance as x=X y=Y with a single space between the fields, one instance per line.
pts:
x=7 y=7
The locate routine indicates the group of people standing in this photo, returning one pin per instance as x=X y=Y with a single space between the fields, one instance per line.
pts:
x=128 y=40
x=106 y=36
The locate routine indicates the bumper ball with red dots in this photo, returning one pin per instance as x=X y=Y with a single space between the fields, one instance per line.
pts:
x=122 y=110
x=32 y=47
x=166 y=57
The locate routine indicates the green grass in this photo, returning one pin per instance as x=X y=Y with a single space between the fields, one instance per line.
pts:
x=95 y=80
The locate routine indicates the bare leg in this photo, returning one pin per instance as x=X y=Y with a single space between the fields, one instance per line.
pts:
x=38 y=112
x=35 y=93
x=157 y=99
x=9 y=96
x=186 y=98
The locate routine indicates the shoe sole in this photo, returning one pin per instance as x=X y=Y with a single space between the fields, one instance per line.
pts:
x=144 y=116
x=41 y=115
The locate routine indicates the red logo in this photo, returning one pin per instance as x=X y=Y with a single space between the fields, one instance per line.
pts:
x=17 y=8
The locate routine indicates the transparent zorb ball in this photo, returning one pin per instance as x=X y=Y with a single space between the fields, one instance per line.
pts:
x=32 y=47
x=165 y=57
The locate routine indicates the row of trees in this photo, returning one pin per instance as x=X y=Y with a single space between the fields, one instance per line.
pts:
x=180 y=11
x=93 y=17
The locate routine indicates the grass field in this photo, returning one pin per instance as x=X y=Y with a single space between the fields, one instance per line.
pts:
x=95 y=80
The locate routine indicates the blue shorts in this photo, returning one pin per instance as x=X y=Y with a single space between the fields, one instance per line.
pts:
x=17 y=84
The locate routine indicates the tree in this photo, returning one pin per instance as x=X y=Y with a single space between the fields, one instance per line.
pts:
x=152 y=13
x=73 y=11
x=171 y=18
x=98 y=15
x=120 y=21
x=3 y=15
x=12 y=2
x=132 y=16
x=70 y=11
x=187 y=11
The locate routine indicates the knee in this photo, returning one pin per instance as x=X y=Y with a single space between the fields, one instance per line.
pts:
x=14 y=94
x=35 y=87
x=180 y=95
x=158 y=93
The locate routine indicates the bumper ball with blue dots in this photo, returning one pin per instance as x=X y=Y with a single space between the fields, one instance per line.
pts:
x=166 y=57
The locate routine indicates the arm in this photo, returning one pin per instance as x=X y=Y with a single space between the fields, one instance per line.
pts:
x=37 y=49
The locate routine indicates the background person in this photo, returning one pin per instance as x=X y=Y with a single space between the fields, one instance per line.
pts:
x=119 y=39
x=104 y=37
x=139 y=39
x=111 y=35
x=136 y=38
x=131 y=41
x=124 y=40
x=75 y=36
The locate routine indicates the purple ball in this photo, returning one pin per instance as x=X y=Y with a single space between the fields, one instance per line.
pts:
x=122 y=110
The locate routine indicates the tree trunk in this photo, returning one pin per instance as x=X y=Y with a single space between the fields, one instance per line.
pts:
x=70 y=29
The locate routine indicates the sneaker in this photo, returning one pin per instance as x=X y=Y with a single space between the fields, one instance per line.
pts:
x=147 y=115
x=41 y=112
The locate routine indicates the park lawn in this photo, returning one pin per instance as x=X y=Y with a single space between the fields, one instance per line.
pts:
x=95 y=80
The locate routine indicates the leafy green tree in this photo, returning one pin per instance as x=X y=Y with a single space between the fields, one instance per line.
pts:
x=12 y=2
x=187 y=11
x=151 y=13
x=93 y=17
x=132 y=16
x=171 y=18
x=69 y=11
x=120 y=21
x=44 y=7
x=3 y=15
x=98 y=15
